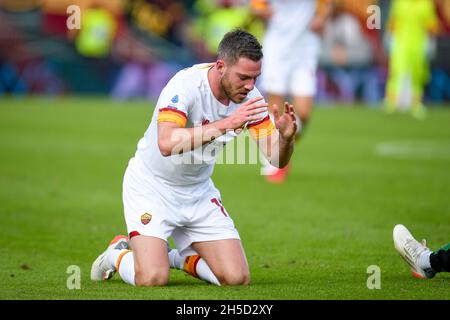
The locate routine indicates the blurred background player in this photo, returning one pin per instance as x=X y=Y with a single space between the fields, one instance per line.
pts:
x=438 y=89
x=291 y=49
x=424 y=263
x=410 y=23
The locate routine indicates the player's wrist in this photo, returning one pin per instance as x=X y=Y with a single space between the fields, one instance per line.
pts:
x=287 y=140
x=228 y=124
x=220 y=126
x=224 y=124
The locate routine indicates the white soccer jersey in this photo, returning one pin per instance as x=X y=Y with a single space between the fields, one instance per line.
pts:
x=187 y=100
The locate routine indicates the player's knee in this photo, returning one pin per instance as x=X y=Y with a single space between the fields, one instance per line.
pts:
x=151 y=278
x=235 y=278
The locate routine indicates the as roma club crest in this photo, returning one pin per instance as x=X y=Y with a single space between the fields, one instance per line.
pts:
x=146 y=218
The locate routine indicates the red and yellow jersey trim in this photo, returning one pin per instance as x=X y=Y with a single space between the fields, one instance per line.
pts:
x=261 y=129
x=172 y=115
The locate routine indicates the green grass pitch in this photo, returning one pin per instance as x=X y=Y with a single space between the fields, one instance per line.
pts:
x=356 y=174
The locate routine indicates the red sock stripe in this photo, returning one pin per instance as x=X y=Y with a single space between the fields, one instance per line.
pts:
x=190 y=265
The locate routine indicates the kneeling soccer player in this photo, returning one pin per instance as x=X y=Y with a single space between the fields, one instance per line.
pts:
x=201 y=108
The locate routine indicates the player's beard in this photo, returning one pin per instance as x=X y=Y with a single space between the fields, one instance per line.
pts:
x=230 y=92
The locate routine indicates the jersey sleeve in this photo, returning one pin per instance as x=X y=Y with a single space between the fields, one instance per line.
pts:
x=174 y=103
x=261 y=128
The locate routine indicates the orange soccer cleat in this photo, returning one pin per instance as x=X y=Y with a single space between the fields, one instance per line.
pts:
x=279 y=175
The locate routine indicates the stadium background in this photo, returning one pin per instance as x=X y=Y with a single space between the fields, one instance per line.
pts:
x=72 y=111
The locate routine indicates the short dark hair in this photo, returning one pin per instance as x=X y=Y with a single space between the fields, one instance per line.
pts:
x=239 y=43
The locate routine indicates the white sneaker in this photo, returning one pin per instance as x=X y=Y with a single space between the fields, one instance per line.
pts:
x=102 y=268
x=411 y=251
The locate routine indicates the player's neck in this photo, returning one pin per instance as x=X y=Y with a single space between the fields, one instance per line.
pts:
x=216 y=88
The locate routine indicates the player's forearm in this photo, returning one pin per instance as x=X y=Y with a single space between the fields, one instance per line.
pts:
x=286 y=148
x=180 y=140
x=279 y=151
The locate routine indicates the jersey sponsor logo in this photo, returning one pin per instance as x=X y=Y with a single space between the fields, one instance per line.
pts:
x=146 y=218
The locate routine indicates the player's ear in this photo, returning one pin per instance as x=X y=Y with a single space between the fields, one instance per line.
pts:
x=220 y=65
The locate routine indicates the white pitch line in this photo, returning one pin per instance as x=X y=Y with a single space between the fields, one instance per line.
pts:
x=423 y=150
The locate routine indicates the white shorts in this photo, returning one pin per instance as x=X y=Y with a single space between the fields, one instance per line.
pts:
x=290 y=73
x=149 y=213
